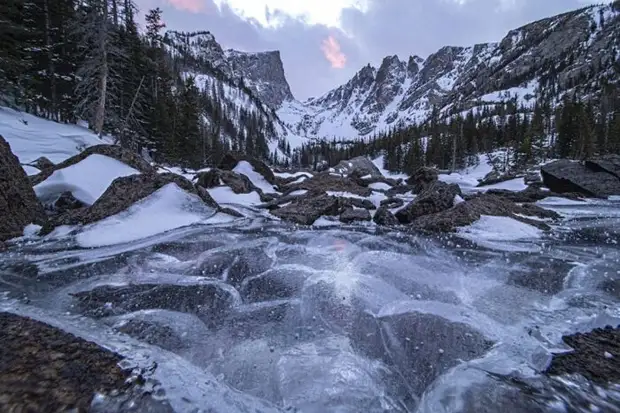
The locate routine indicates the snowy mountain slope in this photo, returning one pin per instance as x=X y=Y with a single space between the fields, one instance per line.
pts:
x=574 y=51
x=252 y=82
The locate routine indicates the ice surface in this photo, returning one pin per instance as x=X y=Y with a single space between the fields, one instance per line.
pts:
x=31 y=137
x=499 y=229
x=259 y=181
x=168 y=208
x=87 y=180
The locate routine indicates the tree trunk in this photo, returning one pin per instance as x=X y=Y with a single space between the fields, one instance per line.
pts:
x=104 y=71
x=50 y=57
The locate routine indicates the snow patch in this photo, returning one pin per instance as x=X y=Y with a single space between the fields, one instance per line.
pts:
x=168 y=208
x=87 y=180
x=224 y=195
x=259 y=181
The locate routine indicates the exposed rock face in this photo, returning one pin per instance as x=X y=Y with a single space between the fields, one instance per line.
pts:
x=530 y=194
x=121 y=194
x=19 y=205
x=263 y=73
x=43 y=369
x=113 y=151
x=230 y=160
x=597 y=178
x=383 y=216
x=361 y=166
x=437 y=197
x=351 y=215
x=422 y=178
x=466 y=213
x=596 y=356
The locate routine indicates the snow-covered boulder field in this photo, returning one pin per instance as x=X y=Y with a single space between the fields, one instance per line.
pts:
x=104 y=194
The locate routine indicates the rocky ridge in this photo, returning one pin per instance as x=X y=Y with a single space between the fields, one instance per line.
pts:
x=573 y=51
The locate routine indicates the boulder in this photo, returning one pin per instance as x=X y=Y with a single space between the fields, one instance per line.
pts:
x=468 y=212
x=437 y=197
x=532 y=193
x=354 y=214
x=495 y=177
x=606 y=163
x=44 y=369
x=67 y=202
x=592 y=179
x=121 y=194
x=383 y=216
x=112 y=151
x=240 y=184
x=19 y=205
x=230 y=160
x=422 y=178
x=359 y=165
x=307 y=209
x=399 y=190
x=596 y=356
x=324 y=182
x=392 y=203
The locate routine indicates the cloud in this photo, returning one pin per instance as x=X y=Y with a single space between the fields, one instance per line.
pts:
x=194 y=6
x=310 y=52
x=331 y=51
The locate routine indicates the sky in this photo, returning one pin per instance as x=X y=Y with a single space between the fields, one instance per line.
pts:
x=323 y=43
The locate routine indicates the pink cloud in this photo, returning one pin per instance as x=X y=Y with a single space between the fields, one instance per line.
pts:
x=194 y=6
x=333 y=54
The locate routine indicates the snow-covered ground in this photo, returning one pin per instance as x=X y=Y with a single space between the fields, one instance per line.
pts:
x=31 y=137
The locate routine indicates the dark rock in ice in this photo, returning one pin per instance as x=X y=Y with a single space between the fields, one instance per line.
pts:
x=437 y=197
x=19 y=205
x=350 y=215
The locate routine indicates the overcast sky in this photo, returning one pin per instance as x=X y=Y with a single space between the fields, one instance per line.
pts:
x=323 y=43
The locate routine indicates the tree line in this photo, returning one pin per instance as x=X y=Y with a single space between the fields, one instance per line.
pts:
x=71 y=60
x=575 y=128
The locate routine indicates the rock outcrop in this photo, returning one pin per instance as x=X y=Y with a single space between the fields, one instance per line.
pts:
x=359 y=165
x=437 y=197
x=468 y=212
x=422 y=178
x=383 y=216
x=19 y=205
x=597 y=178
